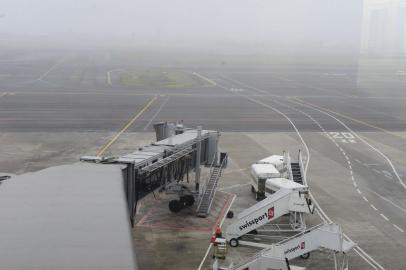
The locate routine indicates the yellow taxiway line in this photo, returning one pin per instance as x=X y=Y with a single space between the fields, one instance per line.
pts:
x=132 y=120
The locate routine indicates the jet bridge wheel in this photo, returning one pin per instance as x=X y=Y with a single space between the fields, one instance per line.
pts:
x=234 y=242
x=187 y=200
x=175 y=206
x=305 y=256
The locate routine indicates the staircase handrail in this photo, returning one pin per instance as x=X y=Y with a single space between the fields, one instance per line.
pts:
x=206 y=181
x=212 y=192
x=289 y=166
x=302 y=171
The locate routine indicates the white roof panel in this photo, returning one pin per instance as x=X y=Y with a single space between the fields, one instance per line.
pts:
x=278 y=183
x=264 y=170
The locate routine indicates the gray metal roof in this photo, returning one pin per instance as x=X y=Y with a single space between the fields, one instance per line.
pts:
x=66 y=217
x=180 y=139
x=156 y=150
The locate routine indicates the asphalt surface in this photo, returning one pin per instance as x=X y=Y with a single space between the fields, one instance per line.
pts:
x=332 y=104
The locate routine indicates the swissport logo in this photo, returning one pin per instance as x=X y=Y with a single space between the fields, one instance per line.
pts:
x=270 y=213
x=302 y=245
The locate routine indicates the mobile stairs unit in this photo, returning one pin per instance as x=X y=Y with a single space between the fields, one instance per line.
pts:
x=272 y=173
x=282 y=202
x=210 y=187
x=277 y=256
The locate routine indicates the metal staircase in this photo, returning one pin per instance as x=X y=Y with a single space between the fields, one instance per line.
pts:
x=296 y=172
x=206 y=200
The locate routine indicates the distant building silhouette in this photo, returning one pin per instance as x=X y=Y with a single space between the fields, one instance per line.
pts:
x=384 y=28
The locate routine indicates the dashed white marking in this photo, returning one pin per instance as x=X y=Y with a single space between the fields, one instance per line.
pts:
x=351 y=173
x=397 y=227
x=389 y=201
x=388 y=176
x=355 y=184
x=377 y=171
x=359 y=191
x=384 y=217
x=373 y=207
x=349 y=166
x=365 y=198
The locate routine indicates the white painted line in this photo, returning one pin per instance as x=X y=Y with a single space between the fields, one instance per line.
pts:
x=368 y=259
x=365 y=198
x=355 y=184
x=359 y=191
x=205 y=78
x=40 y=78
x=157 y=112
x=349 y=162
x=349 y=166
x=221 y=223
x=352 y=178
x=346 y=157
x=351 y=172
x=388 y=176
x=234 y=186
x=389 y=201
x=384 y=217
x=109 y=75
x=361 y=139
x=397 y=227
x=373 y=207
x=377 y=171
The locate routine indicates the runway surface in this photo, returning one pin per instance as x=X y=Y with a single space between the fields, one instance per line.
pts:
x=351 y=116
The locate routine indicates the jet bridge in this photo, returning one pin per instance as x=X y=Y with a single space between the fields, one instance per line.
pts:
x=167 y=162
x=277 y=256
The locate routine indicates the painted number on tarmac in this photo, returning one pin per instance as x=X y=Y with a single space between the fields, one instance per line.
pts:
x=345 y=137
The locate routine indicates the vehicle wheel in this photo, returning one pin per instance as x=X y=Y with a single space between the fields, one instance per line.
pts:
x=230 y=214
x=175 y=206
x=189 y=200
x=233 y=242
x=253 y=232
x=305 y=256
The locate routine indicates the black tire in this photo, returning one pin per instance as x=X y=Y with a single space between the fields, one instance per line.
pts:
x=253 y=232
x=175 y=206
x=189 y=200
x=230 y=214
x=305 y=256
x=260 y=197
x=233 y=242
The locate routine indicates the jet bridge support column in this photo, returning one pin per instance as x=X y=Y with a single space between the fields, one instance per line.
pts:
x=198 y=154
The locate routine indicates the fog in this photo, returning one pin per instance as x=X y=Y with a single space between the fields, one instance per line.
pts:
x=266 y=25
